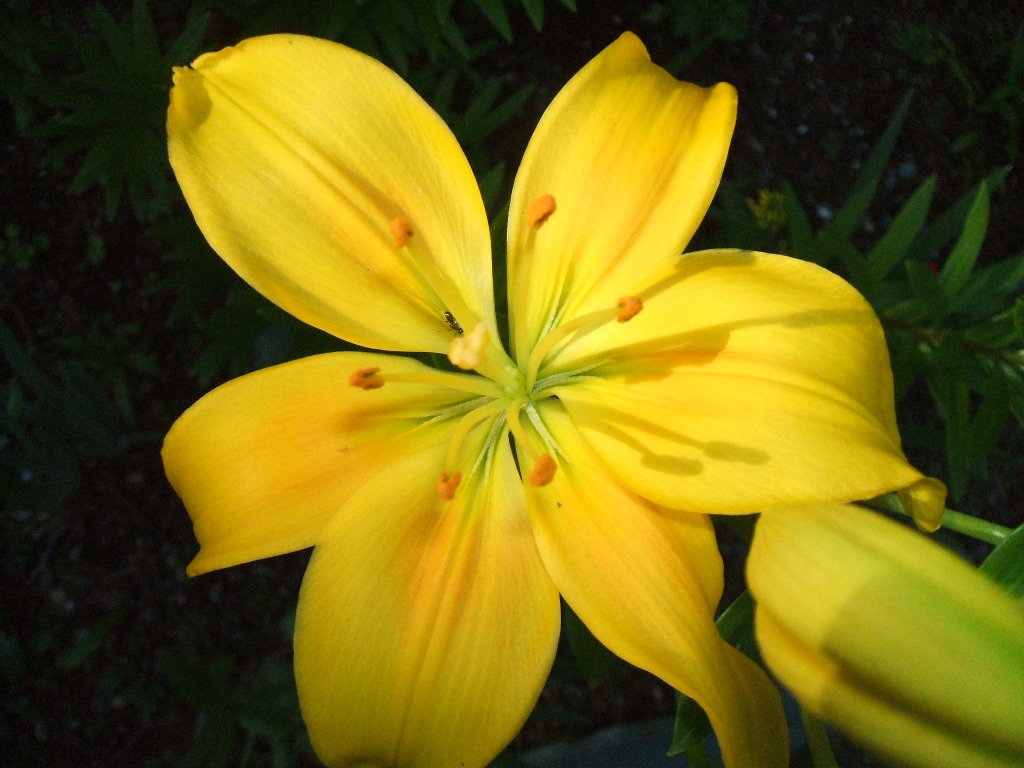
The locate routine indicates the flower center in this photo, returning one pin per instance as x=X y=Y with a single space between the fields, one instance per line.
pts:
x=504 y=397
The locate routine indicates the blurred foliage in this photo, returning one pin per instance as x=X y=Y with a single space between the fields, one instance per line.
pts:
x=49 y=427
x=86 y=88
x=982 y=71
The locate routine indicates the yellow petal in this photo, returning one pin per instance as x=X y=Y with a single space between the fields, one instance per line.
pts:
x=890 y=637
x=425 y=629
x=297 y=155
x=631 y=158
x=747 y=381
x=264 y=461
x=646 y=583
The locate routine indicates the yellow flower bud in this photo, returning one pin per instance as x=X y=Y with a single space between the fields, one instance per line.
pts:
x=896 y=641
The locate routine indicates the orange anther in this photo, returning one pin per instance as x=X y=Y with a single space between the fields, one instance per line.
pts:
x=543 y=471
x=400 y=232
x=366 y=378
x=539 y=210
x=447 y=483
x=631 y=306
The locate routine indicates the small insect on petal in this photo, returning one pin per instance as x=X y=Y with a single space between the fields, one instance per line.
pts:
x=453 y=323
x=631 y=306
x=366 y=378
x=400 y=232
x=539 y=210
x=447 y=483
x=543 y=471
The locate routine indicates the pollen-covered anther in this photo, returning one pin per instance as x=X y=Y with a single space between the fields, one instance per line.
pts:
x=467 y=350
x=400 y=232
x=539 y=210
x=543 y=471
x=630 y=306
x=447 y=483
x=366 y=378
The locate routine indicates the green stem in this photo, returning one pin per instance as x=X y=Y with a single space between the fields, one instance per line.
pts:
x=817 y=741
x=975 y=527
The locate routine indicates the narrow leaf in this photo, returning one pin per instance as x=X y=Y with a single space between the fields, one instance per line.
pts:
x=895 y=243
x=801 y=238
x=595 y=661
x=853 y=210
x=961 y=259
x=535 y=10
x=950 y=222
x=495 y=12
x=1005 y=564
x=990 y=418
x=927 y=289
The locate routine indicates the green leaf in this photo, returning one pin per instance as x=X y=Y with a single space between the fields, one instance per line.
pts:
x=1018 y=317
x=491 y=185
x=90 y=639
x=895 y=243
x=853 y=210
x=801 y=238
x=595 y=661
x=990 y=418
x=1005 y=564
x=927 y=289
x=990 y=290
x=535 y=10
x=495 y=12
x=950 y=222
x=444 y=10
x=961 y=259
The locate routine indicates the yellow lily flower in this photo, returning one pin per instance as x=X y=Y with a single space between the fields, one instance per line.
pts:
x=892 y=638
x=639 y=383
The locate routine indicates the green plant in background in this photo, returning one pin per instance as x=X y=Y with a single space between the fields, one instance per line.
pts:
x=49 y=427
x=110 y=112
x=699 y=25
x=984 y=84
x=18 y=251
x=89 y=89
x=948 y=320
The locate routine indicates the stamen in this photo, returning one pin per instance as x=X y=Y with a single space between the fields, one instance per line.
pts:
x=543 y=471
x=631 y=306
x=577 y=328
x=466 y=351
x=366 y=378
x=447 y=483
x=539 y=210
x=400 y=232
